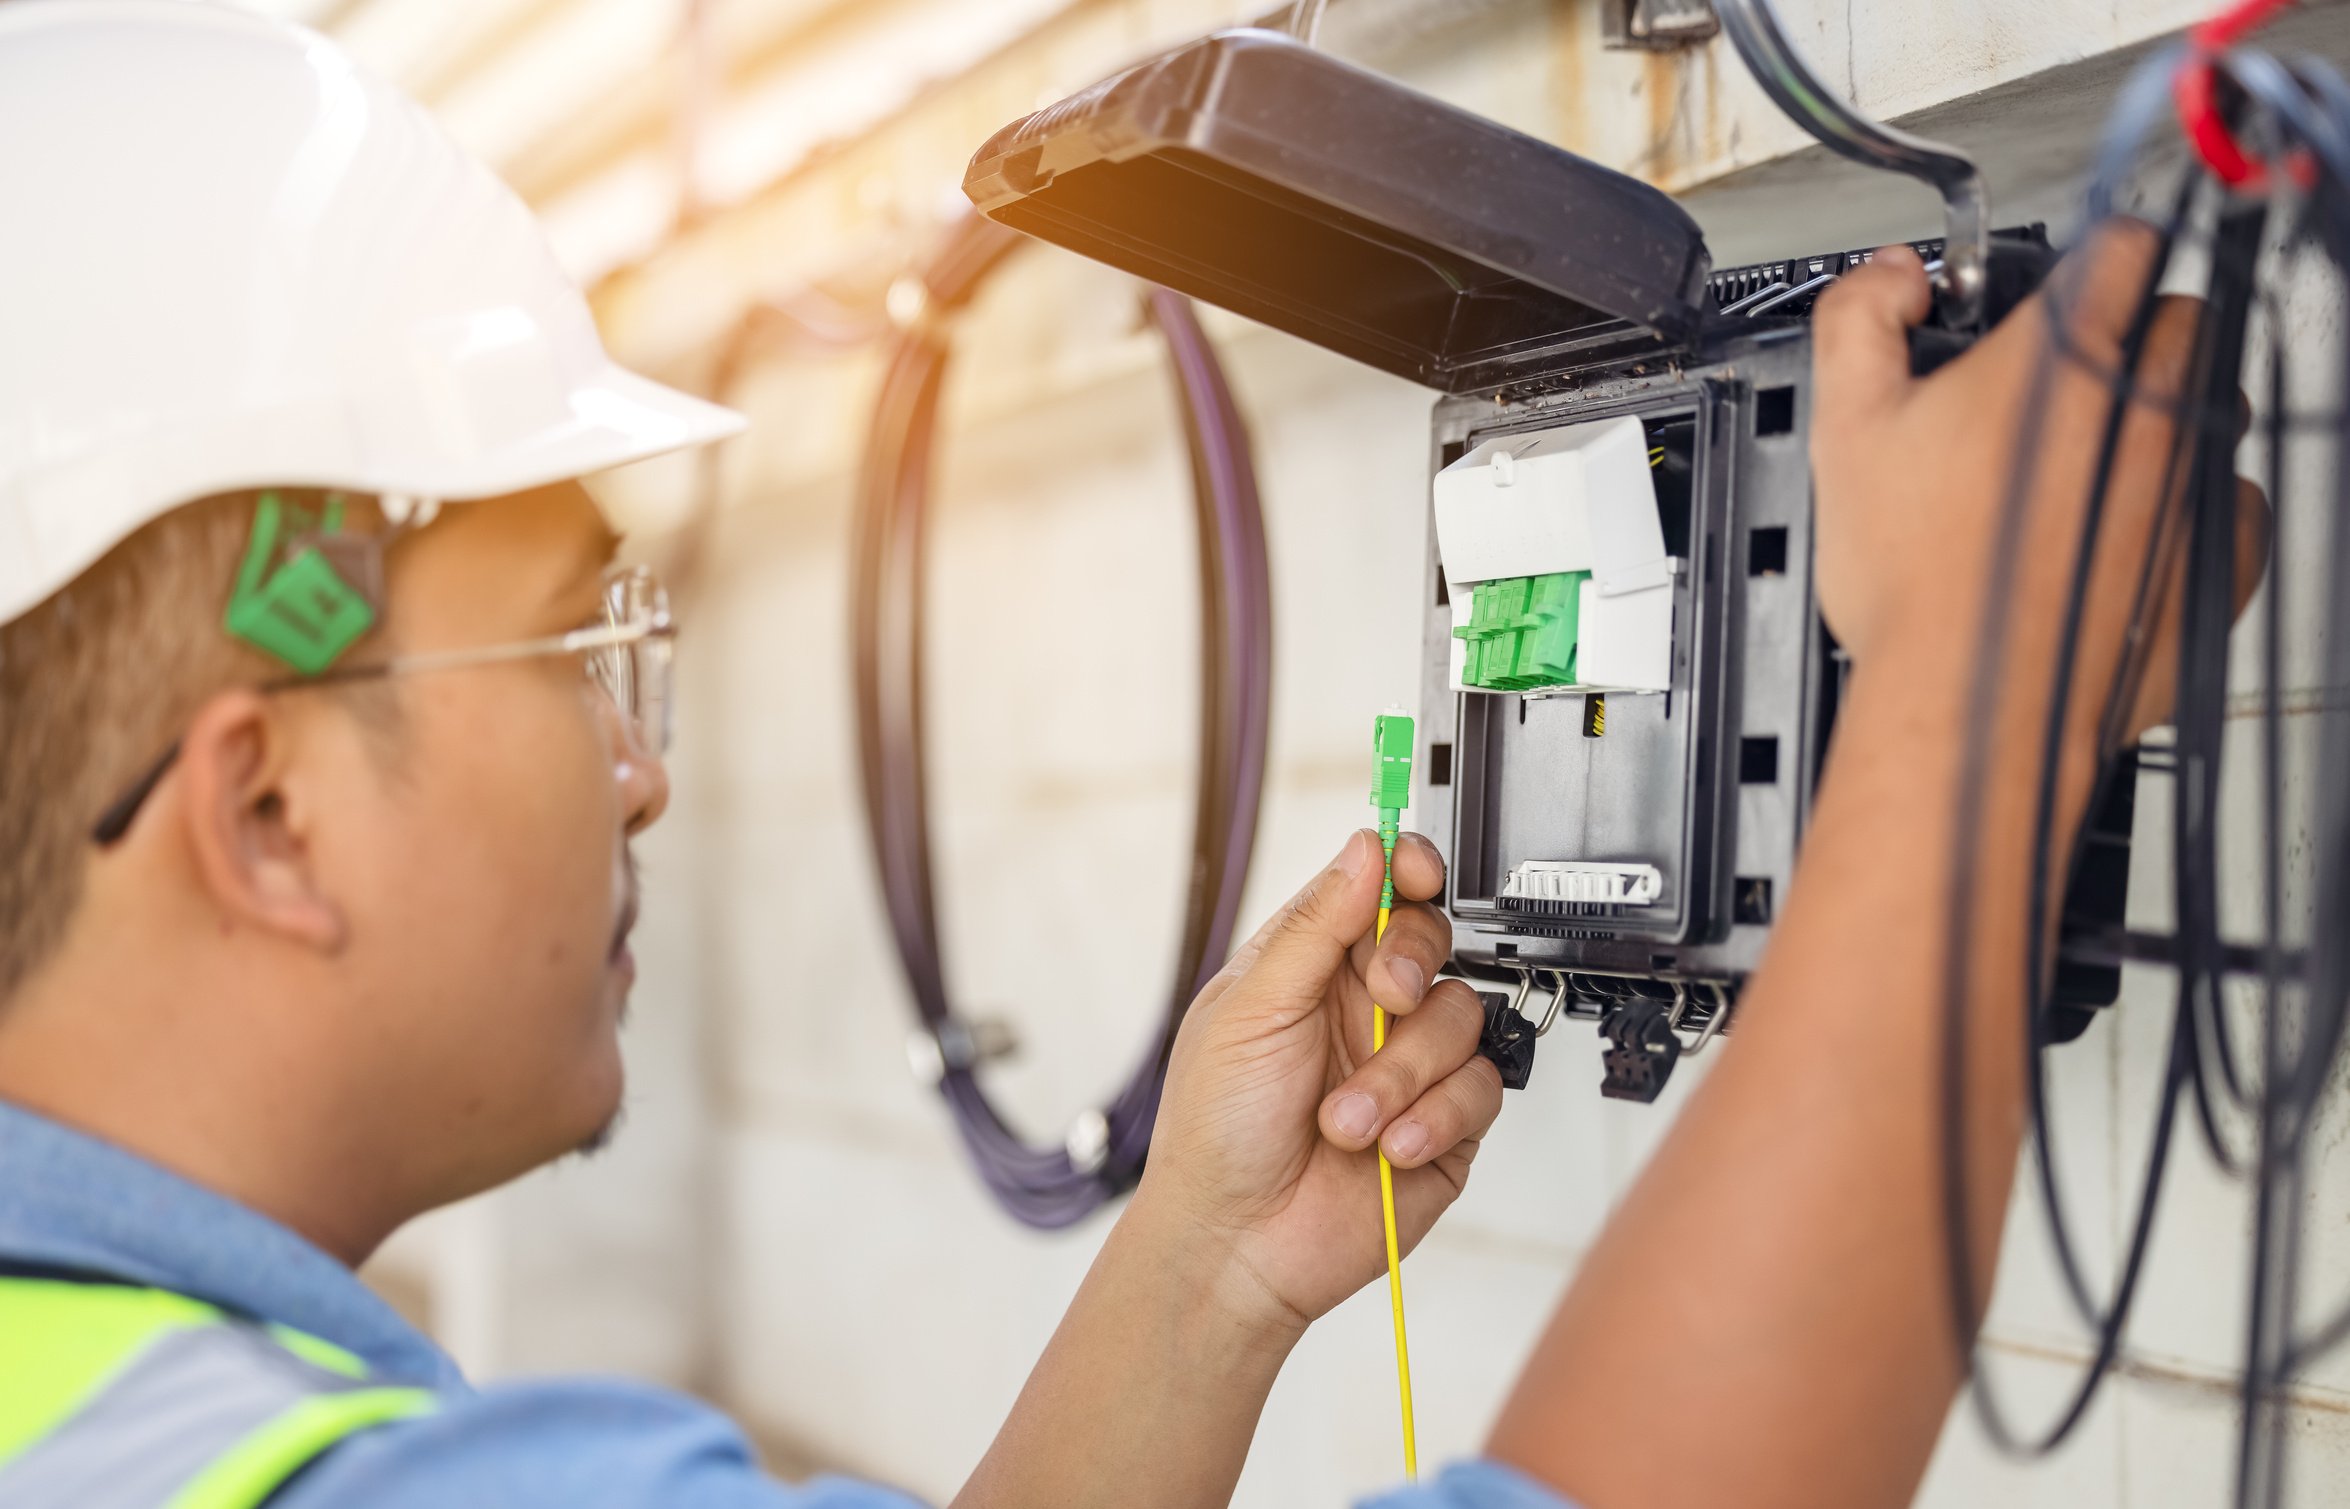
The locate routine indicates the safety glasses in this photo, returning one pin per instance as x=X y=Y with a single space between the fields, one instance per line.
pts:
x=628 y=656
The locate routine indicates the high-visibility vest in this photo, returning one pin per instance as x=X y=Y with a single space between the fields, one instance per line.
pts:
x=119 y=1397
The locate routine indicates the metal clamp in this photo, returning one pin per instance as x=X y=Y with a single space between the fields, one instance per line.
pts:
x=1713 y=1023
x=1558 y=998
x=1755 y=31
x=955 y=1045
x=1656 y=25
x=1088 y=1141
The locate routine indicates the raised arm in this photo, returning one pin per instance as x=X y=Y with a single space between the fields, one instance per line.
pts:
x=1778 y=1273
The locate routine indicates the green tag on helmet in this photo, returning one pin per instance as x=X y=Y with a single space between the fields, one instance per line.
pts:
x=301 y=612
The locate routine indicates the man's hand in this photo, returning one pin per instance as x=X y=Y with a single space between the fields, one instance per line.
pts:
x=1910 y=482
x=1260 y=1209
x=1274 y=1097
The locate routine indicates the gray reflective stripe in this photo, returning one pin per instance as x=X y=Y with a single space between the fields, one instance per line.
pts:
x=175 y=1409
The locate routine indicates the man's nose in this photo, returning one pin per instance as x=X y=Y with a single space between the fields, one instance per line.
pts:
x=642 y=776
x=644 y=790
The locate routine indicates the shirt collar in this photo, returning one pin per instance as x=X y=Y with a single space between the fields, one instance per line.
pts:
x=74 y=1201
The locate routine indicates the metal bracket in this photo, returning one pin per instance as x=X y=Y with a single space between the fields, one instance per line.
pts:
x=1657 y=25
x=1682 y=1001
x=1966 y=203
x=1558 y=998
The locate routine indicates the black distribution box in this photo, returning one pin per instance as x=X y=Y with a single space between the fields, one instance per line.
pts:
x=1627 y=689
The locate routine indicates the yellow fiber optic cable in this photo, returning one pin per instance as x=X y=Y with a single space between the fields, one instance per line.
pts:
x=1403 y=1350
x=1391 y=742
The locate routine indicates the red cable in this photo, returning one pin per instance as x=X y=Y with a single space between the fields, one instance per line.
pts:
x=2237 y=22
x=2197 y=93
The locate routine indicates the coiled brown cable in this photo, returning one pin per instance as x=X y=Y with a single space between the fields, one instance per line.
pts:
x=1051 y=1185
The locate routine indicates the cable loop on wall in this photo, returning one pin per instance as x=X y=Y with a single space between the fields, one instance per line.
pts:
x=1056 y=1183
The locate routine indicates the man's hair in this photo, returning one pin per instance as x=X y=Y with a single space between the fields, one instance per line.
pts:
x=95 y=684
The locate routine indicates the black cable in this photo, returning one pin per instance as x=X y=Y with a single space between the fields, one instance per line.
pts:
x=1957 y=1202
x=2108 y=1321
x=2202 y=706
x=2334 y=1331
x=2207 y=616
x=2299 y=130
x=2256 y=1449
x=2303 y=118
x=2207 y=1045
x=1051 y=1186
x=2059 y=711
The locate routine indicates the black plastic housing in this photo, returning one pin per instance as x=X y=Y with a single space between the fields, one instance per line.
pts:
x=1537 y=290
x=1274 y=180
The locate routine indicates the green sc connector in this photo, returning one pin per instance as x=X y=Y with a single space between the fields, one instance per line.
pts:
x=1391 y=786
x=1522 y=632
x=302 y=613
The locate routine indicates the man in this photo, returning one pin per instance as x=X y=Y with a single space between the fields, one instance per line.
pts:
x=324 y=727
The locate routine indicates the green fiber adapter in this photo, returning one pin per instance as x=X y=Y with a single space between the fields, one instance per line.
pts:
x=1522 y=632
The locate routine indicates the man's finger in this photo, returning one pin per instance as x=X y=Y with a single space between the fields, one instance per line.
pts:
x=1295 y=953
x=1398 y=970
x=1860 y=338
x=1419 y=869
x=1461 y=1106
x=1422 y=1050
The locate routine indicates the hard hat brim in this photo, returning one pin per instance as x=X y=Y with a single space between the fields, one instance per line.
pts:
x=615 y=418
x=611 y=419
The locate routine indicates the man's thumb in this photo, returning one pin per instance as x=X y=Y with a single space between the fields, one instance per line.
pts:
x=1306 y=941
x=1860 y=337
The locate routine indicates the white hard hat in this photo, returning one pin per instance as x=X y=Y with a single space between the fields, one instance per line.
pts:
x=229 y=258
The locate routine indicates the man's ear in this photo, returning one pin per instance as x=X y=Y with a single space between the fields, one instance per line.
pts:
x=248 y=832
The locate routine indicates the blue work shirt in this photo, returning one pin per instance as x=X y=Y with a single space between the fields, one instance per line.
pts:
x=72 y=1201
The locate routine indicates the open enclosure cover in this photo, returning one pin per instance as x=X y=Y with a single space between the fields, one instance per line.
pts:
x=1254 y=172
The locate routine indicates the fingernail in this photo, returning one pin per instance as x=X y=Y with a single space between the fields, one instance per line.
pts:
x=1355 y=855
x=1355 y=1117
x=1409 y=982
x=1406 y=1142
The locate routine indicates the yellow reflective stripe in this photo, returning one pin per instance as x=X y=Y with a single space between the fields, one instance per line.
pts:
x=60 y=1342
x=254 y=1469
x=312 y=1349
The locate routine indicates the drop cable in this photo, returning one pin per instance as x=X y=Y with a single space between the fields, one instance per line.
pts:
x=1050 y=1185
x=1391 y=793
x=2296 y=119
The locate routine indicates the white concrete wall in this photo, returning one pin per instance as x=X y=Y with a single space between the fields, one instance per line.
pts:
x=791 y=1227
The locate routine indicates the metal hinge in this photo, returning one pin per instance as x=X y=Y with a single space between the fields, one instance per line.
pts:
x=1657 y=25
